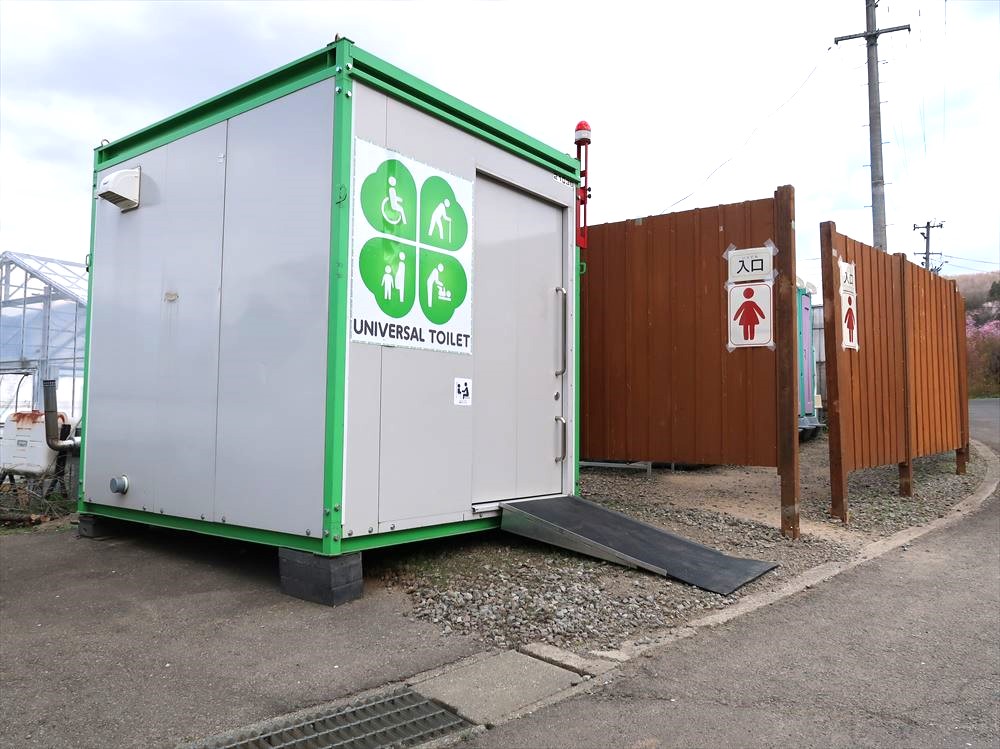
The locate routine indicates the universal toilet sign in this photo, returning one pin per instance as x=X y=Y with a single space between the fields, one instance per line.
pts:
x=411 y=253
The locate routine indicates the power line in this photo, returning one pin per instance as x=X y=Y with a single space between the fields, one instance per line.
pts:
x=963 y=267
x=972 y=259
x=753 y=132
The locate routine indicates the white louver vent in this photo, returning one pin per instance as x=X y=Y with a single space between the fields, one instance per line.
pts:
x=121 y=188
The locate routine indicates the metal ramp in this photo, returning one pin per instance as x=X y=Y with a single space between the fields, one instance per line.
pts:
x=587 y=528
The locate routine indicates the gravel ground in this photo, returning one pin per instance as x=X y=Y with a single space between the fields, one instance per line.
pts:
x=875 y=508
x=506 y=591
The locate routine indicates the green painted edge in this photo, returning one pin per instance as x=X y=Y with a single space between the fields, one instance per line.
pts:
x=426 y=533
x=338 y=304
x=400 y=84
x=221 y=530
x=86 y=340
x=577 y=378
x=323 y=64
x=268 y=87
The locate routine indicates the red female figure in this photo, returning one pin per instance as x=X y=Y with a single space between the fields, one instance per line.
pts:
x=849 y=320
x=748 y=315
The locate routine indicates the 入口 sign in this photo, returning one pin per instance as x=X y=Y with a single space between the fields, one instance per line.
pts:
x=752 y=264
x=411 y=253
x=848 y=280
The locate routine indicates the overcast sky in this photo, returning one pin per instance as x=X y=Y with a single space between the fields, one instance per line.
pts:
x=672 y=90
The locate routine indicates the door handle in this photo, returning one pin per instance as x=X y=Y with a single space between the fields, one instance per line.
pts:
x=562 y=456
x=562 y=345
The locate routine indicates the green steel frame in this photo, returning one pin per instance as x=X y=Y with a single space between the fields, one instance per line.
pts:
x=345 y=63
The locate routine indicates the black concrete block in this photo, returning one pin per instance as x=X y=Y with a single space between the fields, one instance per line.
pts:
x=93 y=526
x=327 y=580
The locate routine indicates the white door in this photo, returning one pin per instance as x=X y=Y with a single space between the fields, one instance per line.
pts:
x=519 y=324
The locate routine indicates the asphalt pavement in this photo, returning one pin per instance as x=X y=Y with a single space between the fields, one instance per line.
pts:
x=152 y=637
x=984 y=421
x=902 y=651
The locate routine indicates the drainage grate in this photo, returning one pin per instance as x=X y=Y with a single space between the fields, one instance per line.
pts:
x=402 y=718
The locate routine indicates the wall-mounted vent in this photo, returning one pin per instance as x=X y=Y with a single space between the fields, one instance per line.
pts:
x=121 y=188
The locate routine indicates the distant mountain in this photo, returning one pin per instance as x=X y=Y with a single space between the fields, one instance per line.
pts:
x=975 y=287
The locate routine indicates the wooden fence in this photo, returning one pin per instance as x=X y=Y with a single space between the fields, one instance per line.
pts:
x=658 y=383
x=902 y=392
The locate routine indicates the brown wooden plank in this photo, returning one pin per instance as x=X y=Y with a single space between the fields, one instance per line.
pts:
x=918 y=303
x=906 y=464
x=876 y=347
x=672 y=323
x=685 y=412
x=863 y=356
x=637 y=338
x=735 y=436
x=787 y=365
x=899 y=357
x=595 y=349
x=614 y=341
x=886 y=393
x=660 y=351
x=835 y=416
x=708 y=355
x=762 y=390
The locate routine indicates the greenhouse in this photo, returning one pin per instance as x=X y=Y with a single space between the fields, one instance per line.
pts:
x=43 y=302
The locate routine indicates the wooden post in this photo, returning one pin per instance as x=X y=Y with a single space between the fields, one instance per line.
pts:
x=906 y=467
x=834 y=358
x=786 y=331
x=962 y=346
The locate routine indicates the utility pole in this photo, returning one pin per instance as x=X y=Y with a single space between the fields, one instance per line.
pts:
x=926 y=234
x=871 y=36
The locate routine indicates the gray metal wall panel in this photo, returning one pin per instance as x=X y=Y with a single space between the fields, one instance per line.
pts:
x=363 y=425
x=153 y=362
x=426 y=439
x=494 y=468
x=538 y=270
x=275 y=277
x=362 y=419
x=430 y=447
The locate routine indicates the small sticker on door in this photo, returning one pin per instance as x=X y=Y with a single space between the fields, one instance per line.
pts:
x=463 y=391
